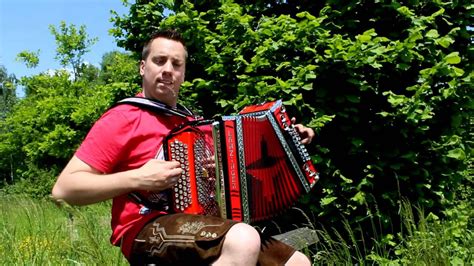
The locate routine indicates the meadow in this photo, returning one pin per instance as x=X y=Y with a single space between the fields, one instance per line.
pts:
x=42 y=232
x=39 y=232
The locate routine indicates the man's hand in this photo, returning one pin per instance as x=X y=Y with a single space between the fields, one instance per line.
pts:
x=157 y=175
x=305 y=133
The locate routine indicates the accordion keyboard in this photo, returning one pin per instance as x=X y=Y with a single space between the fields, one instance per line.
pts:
x=195 y=190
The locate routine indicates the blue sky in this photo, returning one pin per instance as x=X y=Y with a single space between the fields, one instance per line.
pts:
x=24 y=26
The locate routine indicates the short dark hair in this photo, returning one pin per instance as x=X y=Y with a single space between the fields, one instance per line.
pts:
x=170 y=34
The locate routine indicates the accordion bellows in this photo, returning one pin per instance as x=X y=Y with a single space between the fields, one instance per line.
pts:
x=248 y=167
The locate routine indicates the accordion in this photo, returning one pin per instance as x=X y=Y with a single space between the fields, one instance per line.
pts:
x=248 y=167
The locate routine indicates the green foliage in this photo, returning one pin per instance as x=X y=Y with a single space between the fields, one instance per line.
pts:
x=138 y=23
x=7 y=92
x=72 y=43
x=31 y=59
x=118 y=66
x=386 y=85
x=40 y=134
x=429 y=240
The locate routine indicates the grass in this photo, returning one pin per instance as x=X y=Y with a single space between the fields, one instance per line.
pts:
x=425 y=239
x=34 y=232
x=38 y=232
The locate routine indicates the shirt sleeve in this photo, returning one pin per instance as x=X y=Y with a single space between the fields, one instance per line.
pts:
x=104 y=145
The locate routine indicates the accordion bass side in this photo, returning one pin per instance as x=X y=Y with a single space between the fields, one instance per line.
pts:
x=248 y=167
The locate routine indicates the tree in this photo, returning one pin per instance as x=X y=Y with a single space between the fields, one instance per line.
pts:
x=7 y=101
x=119 y=66
x=41 y=133
x=7 y=92
x=72 y=43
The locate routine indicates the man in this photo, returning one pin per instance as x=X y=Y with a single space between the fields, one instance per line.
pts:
x=122 y=154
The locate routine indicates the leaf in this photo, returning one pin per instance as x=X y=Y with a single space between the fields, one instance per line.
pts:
x=308 y=86
x=310 y=76
x=406 y=11
x=453 y=58
x=432 y=34
x=359 y=197
x=396 y=99
x=445 y=42
x=459 y=72
x=327 y=201
x=310 y=50
x=364 y=38
x=457 y=154
x=346 y=180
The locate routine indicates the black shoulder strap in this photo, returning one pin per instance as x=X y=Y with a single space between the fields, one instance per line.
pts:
x=156 y=106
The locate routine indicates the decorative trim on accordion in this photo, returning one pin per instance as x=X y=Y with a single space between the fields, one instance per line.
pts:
x=292 y=159
x=220 y=187
x=242 y=170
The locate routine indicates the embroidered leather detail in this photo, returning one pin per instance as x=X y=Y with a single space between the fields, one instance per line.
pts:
x=191 y=227
x=160 y=240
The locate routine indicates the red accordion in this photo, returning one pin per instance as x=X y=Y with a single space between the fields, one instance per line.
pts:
x=248 y=167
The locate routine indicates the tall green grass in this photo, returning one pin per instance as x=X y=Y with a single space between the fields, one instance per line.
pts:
x=38 y=232
x=425 y=239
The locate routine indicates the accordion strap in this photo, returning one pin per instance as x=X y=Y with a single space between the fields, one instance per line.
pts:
x=156 y=106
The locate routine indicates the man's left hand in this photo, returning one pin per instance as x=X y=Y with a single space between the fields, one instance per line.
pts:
x=305 y=133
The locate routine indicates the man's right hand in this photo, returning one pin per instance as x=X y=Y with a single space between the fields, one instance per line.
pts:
x=157 y=175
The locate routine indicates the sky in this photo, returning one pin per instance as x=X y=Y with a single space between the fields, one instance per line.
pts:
x=24 y=25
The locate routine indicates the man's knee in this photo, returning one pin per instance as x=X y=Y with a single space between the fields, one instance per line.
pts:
x=298 y=259
x=244 y=238
x=241 y=246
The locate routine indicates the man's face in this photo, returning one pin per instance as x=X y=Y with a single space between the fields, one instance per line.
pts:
x=163 y=70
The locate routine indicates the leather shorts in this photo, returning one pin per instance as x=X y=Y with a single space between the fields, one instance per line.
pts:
x=188 y=239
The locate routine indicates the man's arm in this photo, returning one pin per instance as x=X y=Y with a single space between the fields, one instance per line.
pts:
x=81 y=184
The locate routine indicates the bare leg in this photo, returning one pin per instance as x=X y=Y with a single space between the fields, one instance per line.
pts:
x=241 y=246
x=298 y=259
